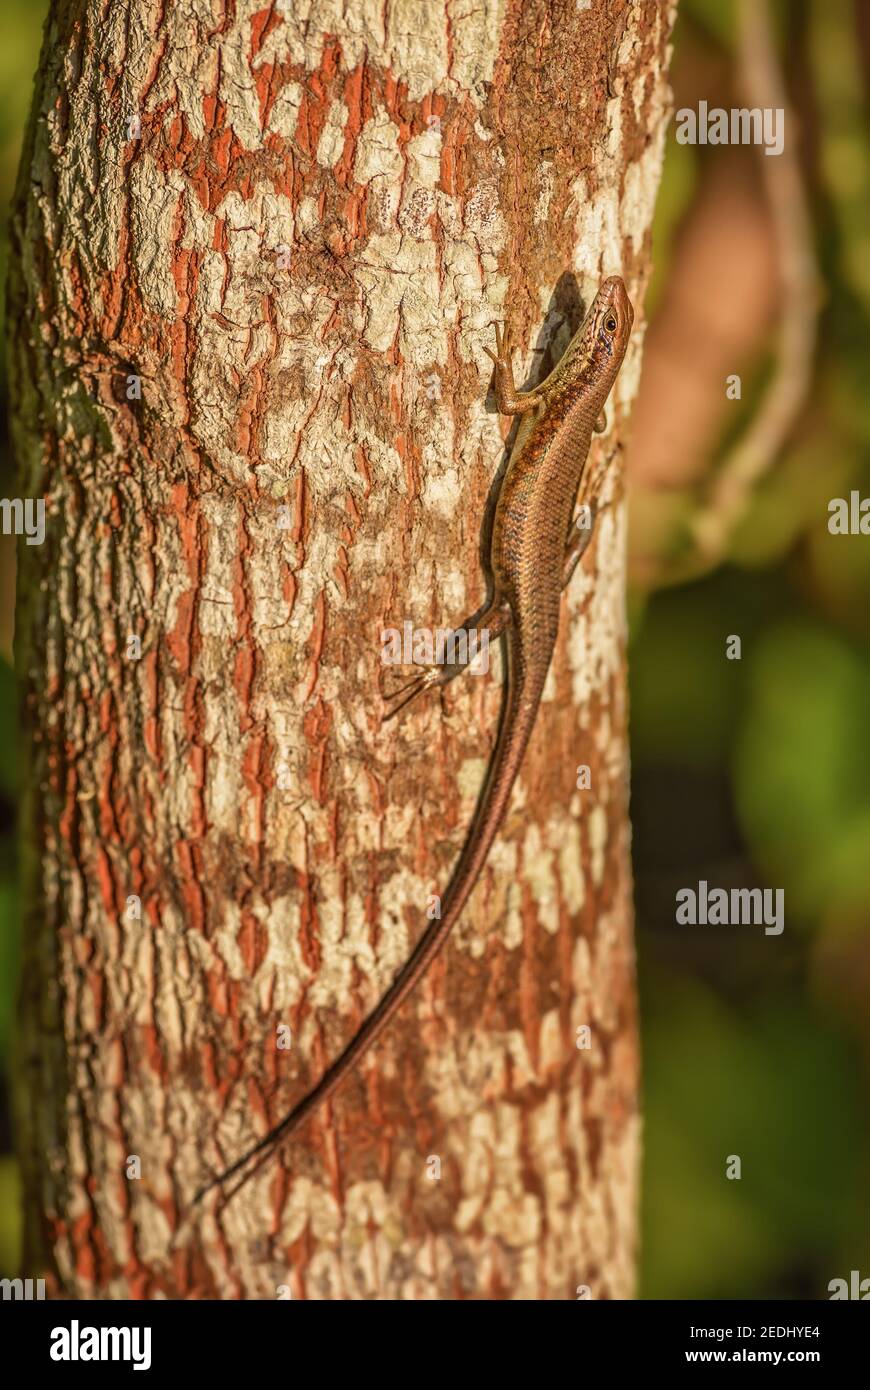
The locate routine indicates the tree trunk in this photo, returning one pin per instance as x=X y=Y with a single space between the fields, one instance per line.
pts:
x=291 y=229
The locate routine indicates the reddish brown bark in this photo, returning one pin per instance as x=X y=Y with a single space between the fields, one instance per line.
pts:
x=299 y=245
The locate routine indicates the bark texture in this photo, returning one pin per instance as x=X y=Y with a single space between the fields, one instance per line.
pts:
x=295 y=225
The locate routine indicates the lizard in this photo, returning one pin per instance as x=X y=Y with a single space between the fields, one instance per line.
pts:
x=535 y=548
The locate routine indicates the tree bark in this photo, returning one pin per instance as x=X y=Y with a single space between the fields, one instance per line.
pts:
x=294 y=226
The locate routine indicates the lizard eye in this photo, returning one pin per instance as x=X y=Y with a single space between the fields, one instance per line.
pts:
x=610 y=323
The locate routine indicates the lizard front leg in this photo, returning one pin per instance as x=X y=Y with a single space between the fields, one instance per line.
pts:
x=509 y=400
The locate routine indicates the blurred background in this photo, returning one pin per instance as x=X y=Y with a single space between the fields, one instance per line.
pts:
x=757 y=771
x=745 y=773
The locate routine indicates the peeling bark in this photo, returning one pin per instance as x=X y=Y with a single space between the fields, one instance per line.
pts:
x=296 y=225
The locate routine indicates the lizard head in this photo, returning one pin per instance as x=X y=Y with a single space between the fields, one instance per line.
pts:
x=609 y=327
x=595 y=354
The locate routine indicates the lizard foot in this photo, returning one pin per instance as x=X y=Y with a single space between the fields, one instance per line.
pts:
x=502 y=355
x=427 y=680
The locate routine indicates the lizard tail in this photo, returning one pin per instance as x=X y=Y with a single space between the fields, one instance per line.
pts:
x=517 y=720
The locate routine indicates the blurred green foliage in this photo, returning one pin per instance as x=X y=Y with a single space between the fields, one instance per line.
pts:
x=20 y=33
x=802 y=768
x=757 y=772
x=776 y=1087
x=20 y=36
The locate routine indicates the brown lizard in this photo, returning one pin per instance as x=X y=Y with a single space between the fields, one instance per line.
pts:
x=536 y=546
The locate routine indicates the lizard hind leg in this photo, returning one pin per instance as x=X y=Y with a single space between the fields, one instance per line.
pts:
x=579 y=538
x=458 y=649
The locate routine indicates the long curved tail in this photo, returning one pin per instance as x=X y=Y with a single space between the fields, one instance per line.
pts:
x=519 y=710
